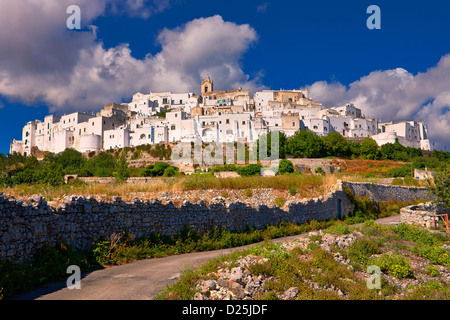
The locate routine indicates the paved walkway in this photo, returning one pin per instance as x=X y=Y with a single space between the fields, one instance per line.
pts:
x=141 y=280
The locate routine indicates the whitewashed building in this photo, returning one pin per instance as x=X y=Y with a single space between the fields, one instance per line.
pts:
x=222 y=116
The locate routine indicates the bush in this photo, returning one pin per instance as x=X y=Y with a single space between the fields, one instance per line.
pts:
x=279 y=201
x=169 y=172
x=250 y=170
x=432 y=271
x=361 y=250
x=157 y=170
x=397 y=266
x=397 y=182
x=285 y=166
x=292 y=190
x=402 y=171
x=319 y=170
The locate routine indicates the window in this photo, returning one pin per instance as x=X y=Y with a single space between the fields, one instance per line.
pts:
x=172 y=127
x=315 y=127
x=243 y=122
x=293 y=124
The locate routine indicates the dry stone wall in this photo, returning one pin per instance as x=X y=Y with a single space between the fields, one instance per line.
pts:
x=27 y=225
x=381 y=192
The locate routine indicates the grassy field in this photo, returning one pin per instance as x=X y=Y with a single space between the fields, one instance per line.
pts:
x=304 y=185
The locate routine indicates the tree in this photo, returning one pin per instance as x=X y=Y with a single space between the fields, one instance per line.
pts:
x=122 y=172
x=156 y=170
x=101 y=165
x=369 y=149
x=70 y=160
x=441 y=188
x=267 y=143
x=306 y=144
x=336 y=144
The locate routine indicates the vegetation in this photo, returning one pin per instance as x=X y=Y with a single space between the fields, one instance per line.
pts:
x=440 y=188
x=391 y=248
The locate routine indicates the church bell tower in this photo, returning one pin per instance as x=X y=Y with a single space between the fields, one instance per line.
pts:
x=207 y=85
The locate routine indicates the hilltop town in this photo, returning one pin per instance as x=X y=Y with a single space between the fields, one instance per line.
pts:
x=221 y=116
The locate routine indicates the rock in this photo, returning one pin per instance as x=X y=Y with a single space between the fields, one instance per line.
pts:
x=290 y=294
x=237 y=290
x=210 y=284
x=199 y=296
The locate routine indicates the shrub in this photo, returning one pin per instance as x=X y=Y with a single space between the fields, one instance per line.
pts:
x=361 y=250
x=319 y=170
x=250 y=170
x=280 y=201
x=292 y=190
x=397 y=182
x=397 y=266
x=169 y=172
x=248 y=192
x=285 y=166
x=432 y=271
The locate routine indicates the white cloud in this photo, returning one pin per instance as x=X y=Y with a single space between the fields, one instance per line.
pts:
x=398 y=95
x=42 y=61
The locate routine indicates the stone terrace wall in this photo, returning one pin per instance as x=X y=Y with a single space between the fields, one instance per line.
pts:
x=27 y=225
x=380 y=192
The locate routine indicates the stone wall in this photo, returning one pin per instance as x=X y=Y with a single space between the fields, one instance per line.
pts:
x=422 y=215
x=380 y=192
x=27 y=225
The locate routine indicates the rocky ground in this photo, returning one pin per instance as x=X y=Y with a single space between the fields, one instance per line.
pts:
x=235 y=281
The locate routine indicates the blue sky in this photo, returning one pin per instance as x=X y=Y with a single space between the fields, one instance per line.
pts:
x=400 y=72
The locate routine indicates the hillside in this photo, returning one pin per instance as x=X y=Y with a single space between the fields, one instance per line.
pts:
x=329 y=264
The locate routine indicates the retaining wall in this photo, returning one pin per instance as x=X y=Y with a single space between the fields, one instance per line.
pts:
x=27 y=225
